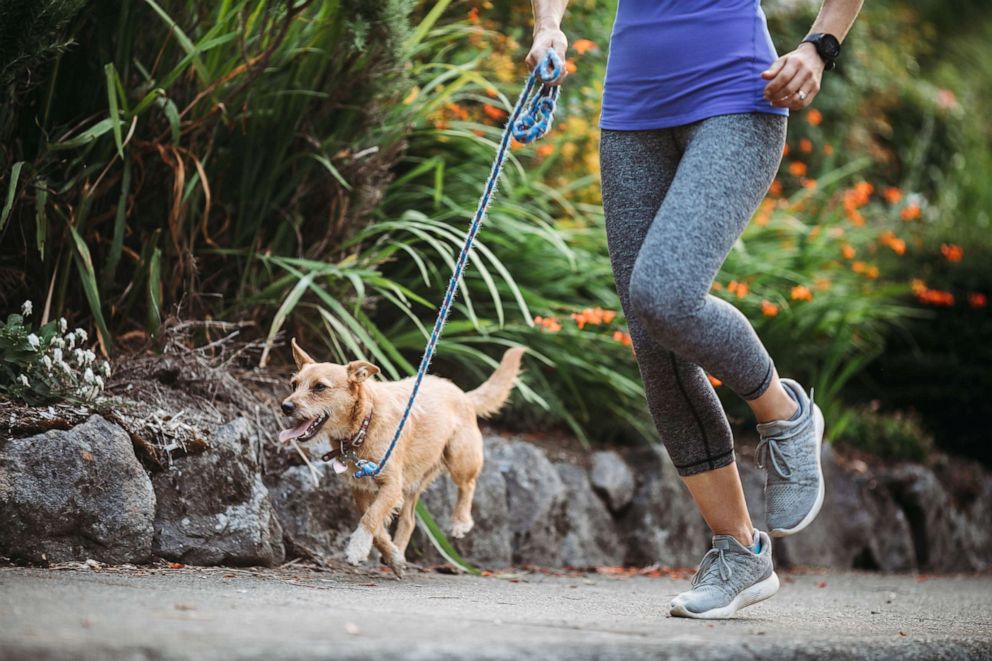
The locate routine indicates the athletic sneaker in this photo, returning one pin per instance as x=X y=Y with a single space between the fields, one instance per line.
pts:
x=789 y=453
x=729 y=578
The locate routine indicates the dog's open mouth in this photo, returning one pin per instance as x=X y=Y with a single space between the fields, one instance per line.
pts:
x=303 y=431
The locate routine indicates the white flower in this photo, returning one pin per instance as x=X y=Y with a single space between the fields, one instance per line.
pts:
x=58 y=342
x=65 y=367
x=81 y=334
x=88 y=357
x=24 y=380
x=88 y=376
x=70 y=340
x=26 y=309
x=34 y=341
x=99 y=382
x=63 y=324
x=47 y=362
x=105 y=368
x=79 y=357
x=57 y=355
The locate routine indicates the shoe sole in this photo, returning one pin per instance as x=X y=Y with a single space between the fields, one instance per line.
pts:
x=818 y=425
x=758 y=592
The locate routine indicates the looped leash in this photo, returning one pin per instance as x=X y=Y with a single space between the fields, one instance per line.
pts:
x=530 y=120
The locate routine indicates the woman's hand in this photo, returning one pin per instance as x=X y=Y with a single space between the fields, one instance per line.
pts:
x=794 y=78
x=543 y=40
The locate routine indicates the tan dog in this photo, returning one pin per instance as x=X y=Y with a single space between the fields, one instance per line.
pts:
x=339 y=401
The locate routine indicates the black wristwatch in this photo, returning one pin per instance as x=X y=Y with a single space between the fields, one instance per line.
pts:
x=827 y=47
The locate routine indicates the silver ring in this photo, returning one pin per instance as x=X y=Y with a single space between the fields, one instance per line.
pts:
x=802 y=95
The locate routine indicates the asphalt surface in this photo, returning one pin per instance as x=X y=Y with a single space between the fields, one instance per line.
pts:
x=297 y=613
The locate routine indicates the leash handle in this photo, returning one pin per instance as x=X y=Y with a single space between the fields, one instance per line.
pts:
x=526 y=124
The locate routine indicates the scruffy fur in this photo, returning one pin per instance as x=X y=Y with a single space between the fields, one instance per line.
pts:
x=442 y=432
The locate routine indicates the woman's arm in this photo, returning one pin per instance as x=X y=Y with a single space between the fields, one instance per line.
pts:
x=547 y=32
x=802 y=69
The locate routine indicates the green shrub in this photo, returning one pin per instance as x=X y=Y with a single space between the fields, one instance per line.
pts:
x=893 y=435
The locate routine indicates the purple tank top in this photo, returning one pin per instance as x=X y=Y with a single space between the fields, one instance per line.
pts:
x=674 y=62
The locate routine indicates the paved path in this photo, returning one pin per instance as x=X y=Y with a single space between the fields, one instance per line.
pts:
x=297 y=613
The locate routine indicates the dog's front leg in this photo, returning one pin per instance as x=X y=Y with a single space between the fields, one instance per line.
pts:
x=375 y=519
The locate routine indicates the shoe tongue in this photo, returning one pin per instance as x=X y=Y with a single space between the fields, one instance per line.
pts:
x=725 y=542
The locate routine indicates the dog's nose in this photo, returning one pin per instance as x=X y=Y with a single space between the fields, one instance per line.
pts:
x=288 y=408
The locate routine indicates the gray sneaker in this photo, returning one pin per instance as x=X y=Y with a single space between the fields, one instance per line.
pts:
x=789 y=452
x=729 y=578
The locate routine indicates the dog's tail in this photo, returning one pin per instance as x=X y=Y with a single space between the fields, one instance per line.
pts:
x=491 y=395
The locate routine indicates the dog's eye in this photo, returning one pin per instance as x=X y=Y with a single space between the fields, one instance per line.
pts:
x=318 y=387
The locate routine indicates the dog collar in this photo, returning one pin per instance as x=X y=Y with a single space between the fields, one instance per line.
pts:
x=346 y=446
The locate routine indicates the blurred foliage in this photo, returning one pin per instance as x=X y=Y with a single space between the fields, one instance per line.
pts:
x=895 y=435
x=312 y=165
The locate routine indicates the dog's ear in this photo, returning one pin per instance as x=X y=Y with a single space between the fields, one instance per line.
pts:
x=359 y=370
x=300 y=356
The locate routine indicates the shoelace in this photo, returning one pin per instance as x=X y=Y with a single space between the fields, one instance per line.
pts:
x=768 y=448
x=723 y=567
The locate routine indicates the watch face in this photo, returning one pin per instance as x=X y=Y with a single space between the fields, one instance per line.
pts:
x=830 y=45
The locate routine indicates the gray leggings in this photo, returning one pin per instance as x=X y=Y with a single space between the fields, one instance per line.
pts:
x=676 y=200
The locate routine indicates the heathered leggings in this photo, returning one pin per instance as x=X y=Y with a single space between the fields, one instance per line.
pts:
x=676 y=200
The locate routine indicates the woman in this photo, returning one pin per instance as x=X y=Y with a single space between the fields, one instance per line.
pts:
x=693 y=125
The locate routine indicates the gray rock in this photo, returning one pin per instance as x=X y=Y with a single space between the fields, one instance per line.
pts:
x=213 y=507
x=612 y=478
x=75 y=495
x=490 y=542
x=591 y=539
x=859 y=526
x=940 y=531
x=316 y=519
x=661 y=525
x=535 y=497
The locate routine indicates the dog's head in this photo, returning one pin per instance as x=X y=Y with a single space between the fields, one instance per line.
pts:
x=326 y=397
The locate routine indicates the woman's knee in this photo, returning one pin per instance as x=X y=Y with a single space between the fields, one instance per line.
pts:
x=661 y=302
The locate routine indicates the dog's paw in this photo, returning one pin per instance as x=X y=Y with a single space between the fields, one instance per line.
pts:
x=459 y=529
x=359 y=546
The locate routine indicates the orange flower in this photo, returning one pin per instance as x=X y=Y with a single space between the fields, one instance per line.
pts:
x=785 y=151
x=828 y=149
x=805 y=145
x=714 y=381
x=977 y=300
x=809 y=183
x=593 y=316
x=814 y=116
x=918 y=286
x=872 y=272
x=776 y=187
x=822 y=283
x=797 y=168
x=716 y=286
x=935 y=297
x=855 y=217
x=848 y=251
x=742 y=290
x=952 y=252
x=768 y=308
x=473 y=15
x=622 y=337
x=570 y=66
x=897 y=245
x=583 y=46
x=859 y=267
x=494 y=113
x=732 y=286
x=801 y=293
x=457 y=111
x=545 y=150
x=550 y=324
x=892 y=194
x=910 y=212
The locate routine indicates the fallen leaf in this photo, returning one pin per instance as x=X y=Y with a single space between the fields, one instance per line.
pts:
x=821 y=584
x=87 y=456
x=175 y=565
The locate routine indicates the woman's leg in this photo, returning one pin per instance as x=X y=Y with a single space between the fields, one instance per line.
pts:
x=637 y=169
x=727 y=165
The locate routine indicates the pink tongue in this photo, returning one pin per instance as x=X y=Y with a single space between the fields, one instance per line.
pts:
x=286 y=435
x=338 y=466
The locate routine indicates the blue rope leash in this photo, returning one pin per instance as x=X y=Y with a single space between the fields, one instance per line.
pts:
x=526 y=124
